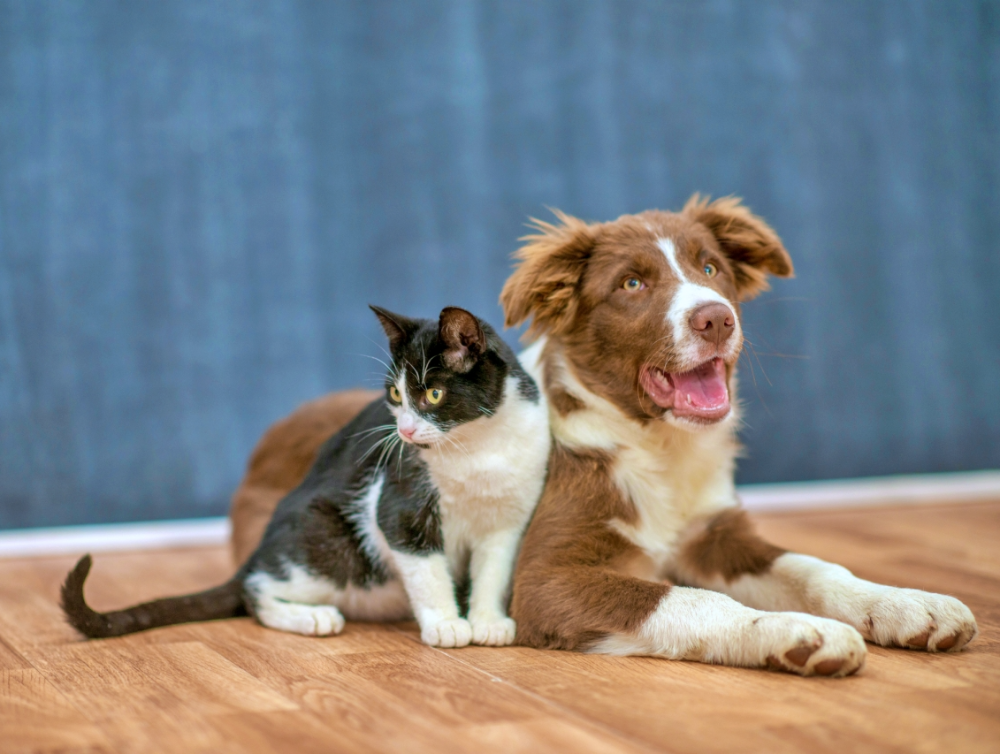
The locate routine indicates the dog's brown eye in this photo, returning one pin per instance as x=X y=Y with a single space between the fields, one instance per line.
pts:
x=633 y=284
x=710 y=269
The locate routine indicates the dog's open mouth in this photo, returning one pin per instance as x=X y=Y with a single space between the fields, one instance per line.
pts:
x=700 y=394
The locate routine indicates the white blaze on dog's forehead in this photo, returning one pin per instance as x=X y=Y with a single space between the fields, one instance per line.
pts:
x=688 y=297
x=670 y=252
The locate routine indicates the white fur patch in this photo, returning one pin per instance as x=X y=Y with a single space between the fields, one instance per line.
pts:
x=432 y=594
x=308 y=604
x=696 y=624
x=688 y=297
x=886 y=615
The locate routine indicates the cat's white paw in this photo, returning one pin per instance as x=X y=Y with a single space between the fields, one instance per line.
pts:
x=807 y=645
x=447 y=633
x=493 y=632
x=309 y=620
x=919 y=620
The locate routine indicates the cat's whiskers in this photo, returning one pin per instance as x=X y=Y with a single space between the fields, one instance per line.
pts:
x=380 y=427
x=388 y=437
x=387 y=451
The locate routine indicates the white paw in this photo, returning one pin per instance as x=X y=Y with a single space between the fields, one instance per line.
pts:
x=493 y=632
x=297 y=618
x=447 y=633
x=919 y=620
x=807 y=645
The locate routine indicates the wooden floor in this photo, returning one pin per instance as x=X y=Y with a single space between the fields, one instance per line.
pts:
x=233 y=686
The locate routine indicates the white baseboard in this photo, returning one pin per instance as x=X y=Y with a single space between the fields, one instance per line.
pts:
x=964 y=487
x=148 y=535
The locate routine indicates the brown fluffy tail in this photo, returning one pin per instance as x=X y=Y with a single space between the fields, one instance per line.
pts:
x=224 y=601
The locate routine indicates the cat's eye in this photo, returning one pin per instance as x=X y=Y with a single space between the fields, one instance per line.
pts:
x=395 y=394
x=710 y=269
x=434 y=395
x=633 y=284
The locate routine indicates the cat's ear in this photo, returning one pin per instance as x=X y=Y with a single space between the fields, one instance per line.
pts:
x=463 y=338
x=398 y=329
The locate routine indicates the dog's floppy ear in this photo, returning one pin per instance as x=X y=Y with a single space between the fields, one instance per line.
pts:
x=747 y=241
x=544 y=284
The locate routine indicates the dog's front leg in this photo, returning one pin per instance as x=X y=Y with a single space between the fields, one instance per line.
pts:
x=725 y=555
x=698 y=624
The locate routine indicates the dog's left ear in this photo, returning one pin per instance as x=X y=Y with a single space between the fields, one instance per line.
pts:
x=747 y=241
x=463 y=338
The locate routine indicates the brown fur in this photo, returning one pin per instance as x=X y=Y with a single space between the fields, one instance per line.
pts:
x=572 y=585
x=729 y=547
x=282 y=458
x=569 y=593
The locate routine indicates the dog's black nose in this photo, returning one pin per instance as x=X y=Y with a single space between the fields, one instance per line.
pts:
x=713 y=322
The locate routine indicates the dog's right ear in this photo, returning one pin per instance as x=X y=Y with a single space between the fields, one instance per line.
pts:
x=544 y=284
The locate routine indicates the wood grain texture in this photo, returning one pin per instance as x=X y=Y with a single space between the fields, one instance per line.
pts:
x=235 y=687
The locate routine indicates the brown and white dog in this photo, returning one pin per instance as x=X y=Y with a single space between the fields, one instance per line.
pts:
x=639 y=545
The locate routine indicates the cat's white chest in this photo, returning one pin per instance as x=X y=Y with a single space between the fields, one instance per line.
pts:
x=491 y=477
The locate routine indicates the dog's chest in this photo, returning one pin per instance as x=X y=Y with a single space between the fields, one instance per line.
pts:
x=668 y=491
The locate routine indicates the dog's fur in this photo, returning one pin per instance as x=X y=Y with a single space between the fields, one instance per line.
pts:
x=639 y=538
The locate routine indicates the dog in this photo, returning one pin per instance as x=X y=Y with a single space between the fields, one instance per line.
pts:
x=639 y=544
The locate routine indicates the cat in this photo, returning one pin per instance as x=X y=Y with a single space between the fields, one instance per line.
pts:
x=428 y=488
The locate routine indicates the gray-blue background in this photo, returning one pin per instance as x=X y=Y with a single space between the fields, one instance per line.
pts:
x=198 y=199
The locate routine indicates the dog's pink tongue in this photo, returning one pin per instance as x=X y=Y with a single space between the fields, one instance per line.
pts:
x=701 y=392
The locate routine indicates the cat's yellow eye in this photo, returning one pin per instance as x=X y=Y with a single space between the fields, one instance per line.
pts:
x=633 y=284
x=710 y=269
x=394 y=394
x=434 y=395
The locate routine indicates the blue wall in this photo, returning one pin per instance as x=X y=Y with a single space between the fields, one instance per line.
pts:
x=198 y=199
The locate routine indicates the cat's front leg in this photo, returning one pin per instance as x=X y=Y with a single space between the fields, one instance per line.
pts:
x=491 y=567
x=431 y=591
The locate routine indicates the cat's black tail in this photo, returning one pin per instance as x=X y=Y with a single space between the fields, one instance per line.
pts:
x=224 y=601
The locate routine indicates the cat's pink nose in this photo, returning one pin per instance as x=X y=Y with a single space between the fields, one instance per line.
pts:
x=408 y=432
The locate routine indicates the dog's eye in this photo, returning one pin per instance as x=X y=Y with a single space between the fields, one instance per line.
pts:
x=710 y=269
x=434 y=395
x=633 y=284
x=394 y=394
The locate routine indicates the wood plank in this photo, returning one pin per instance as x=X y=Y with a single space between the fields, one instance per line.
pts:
x=35 y=717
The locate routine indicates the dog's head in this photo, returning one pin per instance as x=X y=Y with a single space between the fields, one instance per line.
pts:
x=646 y=308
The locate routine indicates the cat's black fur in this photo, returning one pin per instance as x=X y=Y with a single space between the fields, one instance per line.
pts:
x=314 y=526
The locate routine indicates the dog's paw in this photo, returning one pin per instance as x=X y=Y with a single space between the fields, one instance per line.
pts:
x=919 y=620
x=308 y=620
x=493 y=632
x=807 y=645
x=447 y=633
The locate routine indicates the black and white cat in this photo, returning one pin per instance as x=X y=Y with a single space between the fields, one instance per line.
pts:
x=429 y=488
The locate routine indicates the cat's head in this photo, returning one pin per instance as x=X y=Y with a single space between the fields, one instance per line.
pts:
x=444 y=373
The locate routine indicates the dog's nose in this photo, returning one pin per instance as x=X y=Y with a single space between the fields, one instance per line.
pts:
x=713 y=322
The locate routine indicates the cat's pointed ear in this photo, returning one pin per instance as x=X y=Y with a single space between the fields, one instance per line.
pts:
x=463 y=338
x=398 y=329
